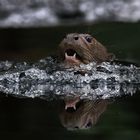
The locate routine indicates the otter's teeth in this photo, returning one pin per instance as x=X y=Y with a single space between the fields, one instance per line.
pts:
x=66 y=55
x=66 y=107
x=74 y=55
x=73 y=106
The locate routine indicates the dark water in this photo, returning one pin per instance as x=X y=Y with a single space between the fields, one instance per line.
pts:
x=37 y=118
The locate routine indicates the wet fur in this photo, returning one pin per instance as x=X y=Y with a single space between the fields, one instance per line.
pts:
x=88 y=110
x=88 y=52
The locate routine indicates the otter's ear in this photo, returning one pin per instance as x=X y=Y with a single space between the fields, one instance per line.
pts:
x=111 y=57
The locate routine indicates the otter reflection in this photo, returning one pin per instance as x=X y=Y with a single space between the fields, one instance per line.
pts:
x=83 y=115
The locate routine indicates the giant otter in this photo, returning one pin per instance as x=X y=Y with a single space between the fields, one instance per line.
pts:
x=75 y=49
x=84 y=116
x=83 y=48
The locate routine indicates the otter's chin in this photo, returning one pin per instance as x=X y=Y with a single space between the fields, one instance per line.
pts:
x=72 y=57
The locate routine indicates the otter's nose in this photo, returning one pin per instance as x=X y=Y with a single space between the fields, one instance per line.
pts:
x=76 y=37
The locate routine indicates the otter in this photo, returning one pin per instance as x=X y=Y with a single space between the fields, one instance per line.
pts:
x=85 y=116
x=78 y=48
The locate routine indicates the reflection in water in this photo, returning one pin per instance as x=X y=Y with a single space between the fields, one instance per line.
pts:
x=84 y=116
x=82 y=88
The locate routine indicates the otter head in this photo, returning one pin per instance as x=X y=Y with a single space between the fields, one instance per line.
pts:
x=82 y=48
x=84 y=116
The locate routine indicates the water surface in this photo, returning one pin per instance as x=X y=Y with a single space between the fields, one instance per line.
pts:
x=39 y=118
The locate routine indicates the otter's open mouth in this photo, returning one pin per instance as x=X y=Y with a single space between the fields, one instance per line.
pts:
x=72 y=56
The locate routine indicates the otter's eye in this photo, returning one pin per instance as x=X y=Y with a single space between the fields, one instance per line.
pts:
x=88 y=39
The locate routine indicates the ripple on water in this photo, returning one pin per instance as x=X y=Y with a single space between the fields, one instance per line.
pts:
x=47 y=77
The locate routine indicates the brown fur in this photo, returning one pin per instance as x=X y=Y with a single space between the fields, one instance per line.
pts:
x=87 y=51
x=88 y=111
